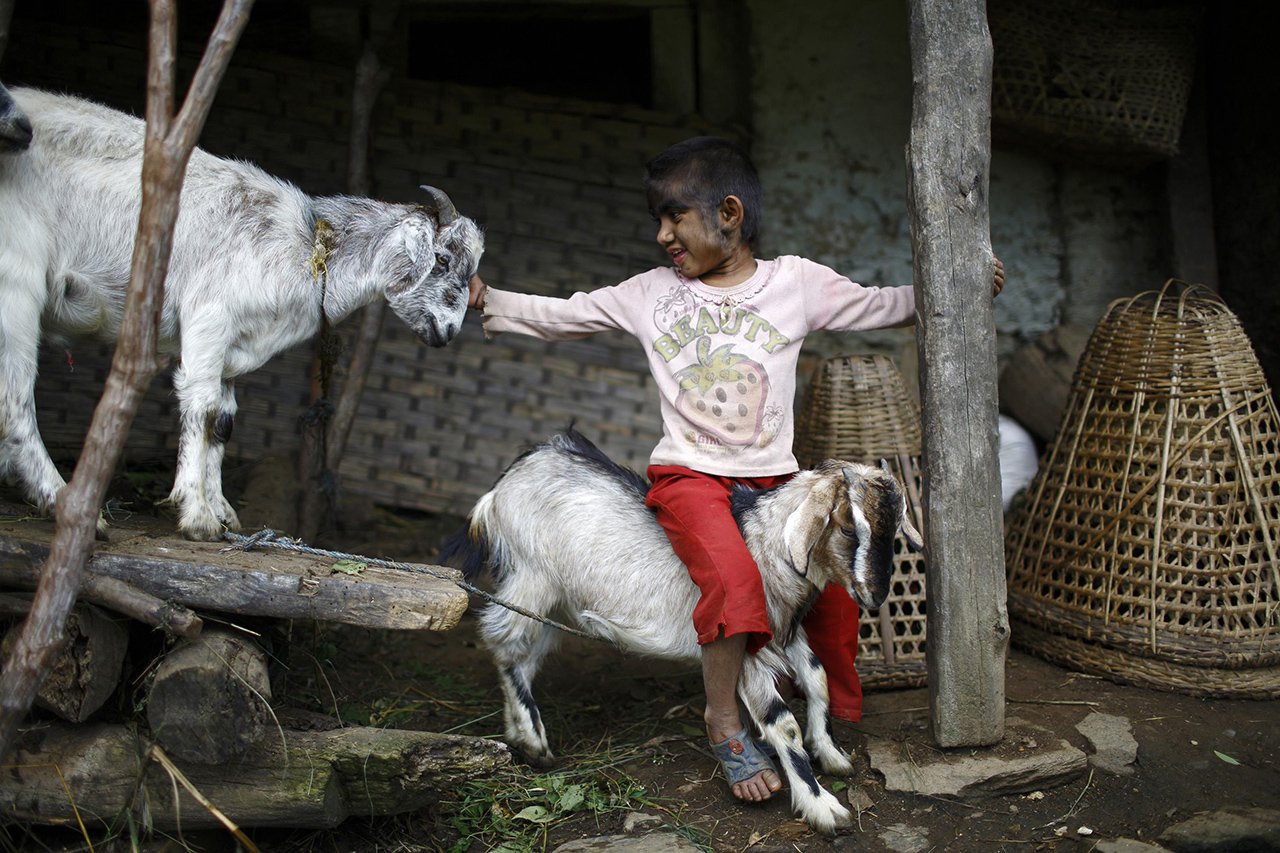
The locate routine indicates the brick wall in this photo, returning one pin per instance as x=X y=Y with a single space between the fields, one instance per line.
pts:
x=555 y=183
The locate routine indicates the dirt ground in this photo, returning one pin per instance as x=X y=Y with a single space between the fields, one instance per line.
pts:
x=643 y=719
x=628 y=732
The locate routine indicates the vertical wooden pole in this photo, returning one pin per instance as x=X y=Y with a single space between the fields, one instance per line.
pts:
x=6 y=15
x=948 y=157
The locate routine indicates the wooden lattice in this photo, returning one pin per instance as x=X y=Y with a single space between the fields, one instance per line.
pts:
x=1146 y=550
x=857 y=409
x=1093 y=76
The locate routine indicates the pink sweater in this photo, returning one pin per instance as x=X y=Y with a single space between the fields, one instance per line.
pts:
x=724 y=358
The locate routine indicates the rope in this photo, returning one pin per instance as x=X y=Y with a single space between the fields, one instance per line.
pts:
x=323 y=243
x=268 y=538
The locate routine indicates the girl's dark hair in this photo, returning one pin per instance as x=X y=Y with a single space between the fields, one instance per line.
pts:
x=701 y=172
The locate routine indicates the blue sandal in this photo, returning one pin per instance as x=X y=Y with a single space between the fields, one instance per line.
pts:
x=741 y=757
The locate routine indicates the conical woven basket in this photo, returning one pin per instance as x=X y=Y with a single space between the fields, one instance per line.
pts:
x=1146 y=551
x=857 y=408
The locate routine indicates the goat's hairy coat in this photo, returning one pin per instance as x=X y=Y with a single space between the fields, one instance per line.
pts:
x=565 y=532
x=241 y=285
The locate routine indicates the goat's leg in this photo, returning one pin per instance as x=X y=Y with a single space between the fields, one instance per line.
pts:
x=817 y=806
x=519 y=644
x=812 y=678
x=22 y=453
x=219 y=436
x=198 y=385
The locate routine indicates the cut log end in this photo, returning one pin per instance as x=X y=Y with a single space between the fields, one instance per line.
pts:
x=211 y=698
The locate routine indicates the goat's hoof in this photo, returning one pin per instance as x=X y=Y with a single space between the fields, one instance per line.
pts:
x=202 y=534
x=541 y=759
x=827 y=816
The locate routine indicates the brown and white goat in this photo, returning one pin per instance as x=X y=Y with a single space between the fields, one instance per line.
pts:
x=565 y=530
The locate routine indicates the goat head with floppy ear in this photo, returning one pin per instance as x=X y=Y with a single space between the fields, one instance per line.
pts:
x=805 y=525
x=915 y=542
x=441 y=205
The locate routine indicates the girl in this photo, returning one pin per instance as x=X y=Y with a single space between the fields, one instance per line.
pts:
x=722 y=331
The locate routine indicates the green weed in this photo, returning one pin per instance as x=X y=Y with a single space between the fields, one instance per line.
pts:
x=514 y=811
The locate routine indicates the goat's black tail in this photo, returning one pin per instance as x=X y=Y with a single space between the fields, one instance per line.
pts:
x=463 y=551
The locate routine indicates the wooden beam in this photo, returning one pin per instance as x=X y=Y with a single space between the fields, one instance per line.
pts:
x=209 y=576
x=947 y=173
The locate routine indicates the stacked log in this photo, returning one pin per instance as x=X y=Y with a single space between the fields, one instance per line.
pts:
x=87 y=671
x=210 y=701
x=291 y=779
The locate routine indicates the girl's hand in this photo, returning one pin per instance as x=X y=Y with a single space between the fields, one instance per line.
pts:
x=997 y=283
x=478 y=289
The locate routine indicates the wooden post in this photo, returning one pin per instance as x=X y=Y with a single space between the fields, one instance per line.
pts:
x=6 y=14
x=324 y=439
x=948 y=157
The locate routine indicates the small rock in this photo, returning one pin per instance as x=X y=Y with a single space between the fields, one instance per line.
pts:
x=902 y=838
x=1238 y=830
x=654 y=842
x=1111 y=736
x=978 y=772
x=1128 y=845
x=636 y=822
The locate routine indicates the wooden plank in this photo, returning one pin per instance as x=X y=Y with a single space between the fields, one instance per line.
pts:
x=211 y=576
x=948 y=156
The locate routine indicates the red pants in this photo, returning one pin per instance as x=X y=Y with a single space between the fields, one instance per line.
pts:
x=693 y=508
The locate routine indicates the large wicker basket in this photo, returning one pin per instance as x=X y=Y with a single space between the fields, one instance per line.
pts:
x=1099 y=77
x=857 y=408
x=1146 y=551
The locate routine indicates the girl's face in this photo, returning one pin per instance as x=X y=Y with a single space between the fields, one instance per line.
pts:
x=692 y=244
x=707 y=250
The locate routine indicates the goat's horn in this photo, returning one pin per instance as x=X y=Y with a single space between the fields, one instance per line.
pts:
x=445 y=212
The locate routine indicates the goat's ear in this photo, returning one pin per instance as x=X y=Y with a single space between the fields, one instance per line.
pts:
x=419 y=241
x=915 y=542
x=805 y=525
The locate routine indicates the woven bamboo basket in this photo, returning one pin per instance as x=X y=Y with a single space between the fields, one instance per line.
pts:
x=857 y=408
x=1146 y=551
x=1097 y=77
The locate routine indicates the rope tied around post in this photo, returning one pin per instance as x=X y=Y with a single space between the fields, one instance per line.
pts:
x=323 y=243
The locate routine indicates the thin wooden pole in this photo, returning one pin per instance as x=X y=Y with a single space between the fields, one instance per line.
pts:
x=168 y=145
x=324 y=441
x=948 y=159
x=6 y=15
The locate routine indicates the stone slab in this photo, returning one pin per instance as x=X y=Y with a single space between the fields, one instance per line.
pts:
x=1029 y=758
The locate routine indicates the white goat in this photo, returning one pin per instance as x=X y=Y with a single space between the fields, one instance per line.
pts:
x=244 y=280
x=15 y=127
x=565 y=530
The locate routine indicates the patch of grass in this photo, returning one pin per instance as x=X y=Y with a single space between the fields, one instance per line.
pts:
x=516 y=810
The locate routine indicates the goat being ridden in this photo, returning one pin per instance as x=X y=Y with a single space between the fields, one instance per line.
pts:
x=257 y=266
x=565 y=529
